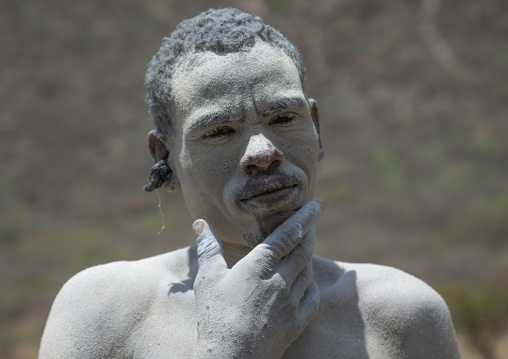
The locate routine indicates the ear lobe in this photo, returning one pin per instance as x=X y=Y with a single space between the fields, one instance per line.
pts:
x=314 y=112
x=161 y=175
x=157 y=146
x=173 y=185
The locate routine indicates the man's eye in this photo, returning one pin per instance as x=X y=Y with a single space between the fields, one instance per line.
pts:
x=219 y=132
x=284 y=119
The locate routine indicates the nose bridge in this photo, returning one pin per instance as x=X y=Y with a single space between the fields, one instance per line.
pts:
x=260 y=154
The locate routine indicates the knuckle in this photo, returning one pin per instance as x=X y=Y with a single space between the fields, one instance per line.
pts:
x=279 y=251
x=293 y=232
x=266 y=255
x=281 y=246
x=298 y=230
x=279 y=284
x=204 y=246
x=263 y=266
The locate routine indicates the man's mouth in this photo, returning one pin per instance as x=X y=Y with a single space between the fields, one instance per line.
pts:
x=269 y=194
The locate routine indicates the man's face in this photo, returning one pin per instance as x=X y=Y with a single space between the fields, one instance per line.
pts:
x=245 y=147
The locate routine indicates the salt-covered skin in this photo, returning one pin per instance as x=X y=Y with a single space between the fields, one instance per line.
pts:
x=247 y=165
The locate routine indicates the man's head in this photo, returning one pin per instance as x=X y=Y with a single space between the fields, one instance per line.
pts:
x=243 y=140
x=221 y=31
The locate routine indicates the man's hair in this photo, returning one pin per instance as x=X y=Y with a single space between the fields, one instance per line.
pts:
x=221 y=31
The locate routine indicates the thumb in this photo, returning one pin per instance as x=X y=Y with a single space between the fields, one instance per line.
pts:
x=209 y=246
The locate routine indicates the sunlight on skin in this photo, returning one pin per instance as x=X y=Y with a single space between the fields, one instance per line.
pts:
x=245 y=152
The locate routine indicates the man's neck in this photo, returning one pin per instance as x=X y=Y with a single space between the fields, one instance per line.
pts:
x=234 y=252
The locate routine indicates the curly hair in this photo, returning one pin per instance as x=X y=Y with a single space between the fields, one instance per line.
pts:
x=221 y=31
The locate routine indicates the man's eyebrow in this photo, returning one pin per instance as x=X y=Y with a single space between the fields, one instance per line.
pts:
x=279 y=104
x=211 y=119
x=266 y=108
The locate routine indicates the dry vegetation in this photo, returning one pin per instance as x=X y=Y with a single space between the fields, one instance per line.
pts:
x=414 y=102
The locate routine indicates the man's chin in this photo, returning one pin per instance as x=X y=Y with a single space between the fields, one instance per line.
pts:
x=254 y=229
x=265 y=226
x=271 y=222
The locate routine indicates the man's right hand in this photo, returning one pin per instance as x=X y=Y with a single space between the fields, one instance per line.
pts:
x=264 y=302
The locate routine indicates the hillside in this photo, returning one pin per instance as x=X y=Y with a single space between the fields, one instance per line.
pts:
x=414 y=109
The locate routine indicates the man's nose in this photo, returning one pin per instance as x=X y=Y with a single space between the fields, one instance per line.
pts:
x=260 y=155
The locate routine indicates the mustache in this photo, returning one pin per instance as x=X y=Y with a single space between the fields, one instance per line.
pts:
x=265 y=184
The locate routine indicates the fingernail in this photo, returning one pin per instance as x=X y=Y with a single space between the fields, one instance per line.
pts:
x=198 y=226
x=321 y=203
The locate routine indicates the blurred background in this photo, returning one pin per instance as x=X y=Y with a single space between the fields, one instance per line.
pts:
x=414 y=114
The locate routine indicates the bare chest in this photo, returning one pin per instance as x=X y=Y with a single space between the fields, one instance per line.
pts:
x=169 y=331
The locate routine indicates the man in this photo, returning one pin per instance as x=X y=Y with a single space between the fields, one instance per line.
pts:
x=237 y=134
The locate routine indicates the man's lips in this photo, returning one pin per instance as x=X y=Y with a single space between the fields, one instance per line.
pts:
x=268 y=193
x=271 y=200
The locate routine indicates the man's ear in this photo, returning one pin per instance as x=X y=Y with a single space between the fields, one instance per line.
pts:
x=161 y=173
x=157 y=146
x=314 y=112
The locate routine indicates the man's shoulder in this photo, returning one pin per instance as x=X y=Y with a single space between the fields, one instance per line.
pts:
x=380 y=291
x=392 y=294
x=373 y=283
x=100 y=306
x=400 y=314
x=127 y=278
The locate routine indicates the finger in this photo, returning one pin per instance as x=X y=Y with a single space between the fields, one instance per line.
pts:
x=308 y=306
x=290 y=233
x=291 y=266
x=300 y=284
x=209 y=247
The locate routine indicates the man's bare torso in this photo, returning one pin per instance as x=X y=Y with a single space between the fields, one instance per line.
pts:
x=146 y=309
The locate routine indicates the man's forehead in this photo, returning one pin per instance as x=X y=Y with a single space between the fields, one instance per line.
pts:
x=260 y=52
x=207 y=80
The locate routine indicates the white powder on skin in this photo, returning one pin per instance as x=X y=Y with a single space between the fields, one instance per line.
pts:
x=237 y=85
x=147 y=308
